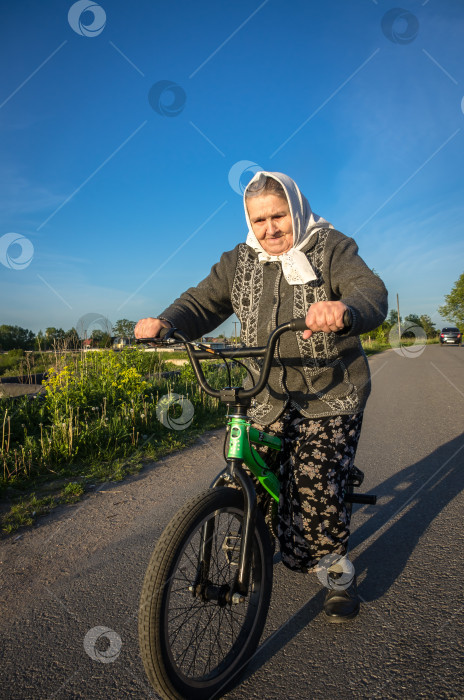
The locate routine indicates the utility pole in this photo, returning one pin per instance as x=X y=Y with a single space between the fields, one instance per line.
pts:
x=235 y=327
x=399 y=322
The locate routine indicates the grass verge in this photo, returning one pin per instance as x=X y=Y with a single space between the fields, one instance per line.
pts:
x=376 y=346
x=100 y=419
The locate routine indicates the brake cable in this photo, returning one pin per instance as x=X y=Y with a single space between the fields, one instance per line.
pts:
x=218 y=353
x=242 y=364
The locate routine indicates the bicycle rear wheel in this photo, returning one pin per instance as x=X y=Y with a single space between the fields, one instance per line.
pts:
x=192 y=647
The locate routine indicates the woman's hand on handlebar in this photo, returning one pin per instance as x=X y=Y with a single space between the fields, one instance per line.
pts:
x=326 y=316
x=149 y=327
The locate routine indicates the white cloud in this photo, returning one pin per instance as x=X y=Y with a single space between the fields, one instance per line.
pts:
x=20 y=196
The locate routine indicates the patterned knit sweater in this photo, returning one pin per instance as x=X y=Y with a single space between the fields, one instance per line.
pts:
x=323 y=376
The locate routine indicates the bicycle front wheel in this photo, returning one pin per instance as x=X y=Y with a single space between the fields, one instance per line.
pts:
x=193 y=645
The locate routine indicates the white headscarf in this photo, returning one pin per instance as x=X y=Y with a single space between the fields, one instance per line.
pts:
x=295 y=265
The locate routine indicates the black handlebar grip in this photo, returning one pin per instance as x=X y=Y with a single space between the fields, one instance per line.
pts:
x=299 y=324
x=348 y=319
x=163 y=332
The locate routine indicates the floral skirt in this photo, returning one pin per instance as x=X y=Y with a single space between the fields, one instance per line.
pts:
x=314 y=465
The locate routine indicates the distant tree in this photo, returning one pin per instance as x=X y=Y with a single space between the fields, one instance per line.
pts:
x=124 y=328
x=453 y=308
x=16 y=338
x=413 y=318
x=72 y=339
x=407 y=327
x=101 y=339
x=50 y=332
x=40 y=341
x=428 y=326
x=393 y=317
x=54 y=337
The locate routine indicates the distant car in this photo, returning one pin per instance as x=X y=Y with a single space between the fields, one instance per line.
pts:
x=450 y=336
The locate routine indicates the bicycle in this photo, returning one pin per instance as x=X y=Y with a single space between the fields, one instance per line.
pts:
x=207 y=588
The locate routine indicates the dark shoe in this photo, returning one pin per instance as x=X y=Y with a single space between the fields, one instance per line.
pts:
x=342 y=605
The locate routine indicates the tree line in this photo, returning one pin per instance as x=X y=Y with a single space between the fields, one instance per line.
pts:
x=381 y=334
x=17 y=338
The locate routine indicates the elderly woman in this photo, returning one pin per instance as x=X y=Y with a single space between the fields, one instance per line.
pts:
x=294 y=264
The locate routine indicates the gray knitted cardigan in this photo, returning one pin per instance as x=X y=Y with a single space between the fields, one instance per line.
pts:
x=324 y=376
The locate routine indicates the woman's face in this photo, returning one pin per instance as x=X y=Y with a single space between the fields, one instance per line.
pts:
x=271 y=222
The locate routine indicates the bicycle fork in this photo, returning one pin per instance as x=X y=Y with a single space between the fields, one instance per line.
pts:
x=224 y=595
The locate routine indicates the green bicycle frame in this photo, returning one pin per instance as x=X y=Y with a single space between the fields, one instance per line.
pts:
x=242 y=434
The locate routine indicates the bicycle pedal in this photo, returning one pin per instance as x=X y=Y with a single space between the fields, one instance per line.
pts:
x=355 y=477
x=231 y=549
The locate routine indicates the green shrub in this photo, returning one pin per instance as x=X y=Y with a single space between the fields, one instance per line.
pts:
x=25 y=512
x=72 y=492
x=97 y=414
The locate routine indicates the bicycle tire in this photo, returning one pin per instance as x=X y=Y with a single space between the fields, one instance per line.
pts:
x=199 y=671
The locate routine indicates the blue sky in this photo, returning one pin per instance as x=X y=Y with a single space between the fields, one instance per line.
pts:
x=119 y=203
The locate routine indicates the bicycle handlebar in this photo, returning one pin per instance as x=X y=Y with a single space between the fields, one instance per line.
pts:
x=267 y=351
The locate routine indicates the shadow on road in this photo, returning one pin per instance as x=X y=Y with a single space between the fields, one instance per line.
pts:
x=420 y=492
x=385 y=540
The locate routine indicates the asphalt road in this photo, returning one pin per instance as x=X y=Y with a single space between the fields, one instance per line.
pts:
x=82 y=566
